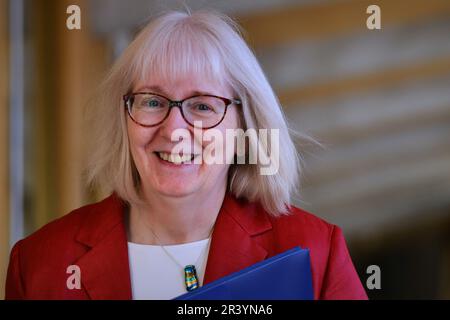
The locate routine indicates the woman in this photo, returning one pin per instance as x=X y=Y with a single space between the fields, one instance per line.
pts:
x=173 y=221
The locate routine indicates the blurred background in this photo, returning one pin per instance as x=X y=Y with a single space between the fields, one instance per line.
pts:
x=379 y=100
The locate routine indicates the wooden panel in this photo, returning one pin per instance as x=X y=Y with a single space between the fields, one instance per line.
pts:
x=40 y=161
x=386 y=179
x=326 y=60
x=376 y=113
x=366 y=82
x=69 y=66
x=366 y=156
x=4 y=181
x=387 y=196
x=393 y=210
x=81 y=64
x=329 y=19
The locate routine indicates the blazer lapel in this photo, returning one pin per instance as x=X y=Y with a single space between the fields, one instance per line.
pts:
x=233 y=244
x=104 y=268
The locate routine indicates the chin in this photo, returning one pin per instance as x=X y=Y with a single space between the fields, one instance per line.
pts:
x=176 y=189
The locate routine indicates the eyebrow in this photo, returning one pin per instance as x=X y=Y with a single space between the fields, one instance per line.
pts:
x=159 y=90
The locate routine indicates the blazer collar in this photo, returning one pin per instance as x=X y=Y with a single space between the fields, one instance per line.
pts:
x=105 y=272
x=233 y=244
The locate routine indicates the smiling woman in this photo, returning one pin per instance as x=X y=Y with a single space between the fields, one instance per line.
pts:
x=173 y=224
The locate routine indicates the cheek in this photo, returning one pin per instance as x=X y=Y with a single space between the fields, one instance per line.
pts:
x=138 y=137
x=234 y=121
x=224 y=148
x=231 y=122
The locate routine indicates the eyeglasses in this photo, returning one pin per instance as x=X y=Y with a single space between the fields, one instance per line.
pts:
x=201 y=111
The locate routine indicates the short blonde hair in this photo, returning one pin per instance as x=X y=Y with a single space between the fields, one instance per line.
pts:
x=178 y=44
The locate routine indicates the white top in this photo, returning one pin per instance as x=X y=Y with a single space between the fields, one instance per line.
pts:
x=155 y=276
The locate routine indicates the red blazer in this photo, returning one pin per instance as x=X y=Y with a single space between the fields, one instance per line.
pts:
x=94 y=238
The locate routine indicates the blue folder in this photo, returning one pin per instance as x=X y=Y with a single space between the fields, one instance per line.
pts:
x=286 y=276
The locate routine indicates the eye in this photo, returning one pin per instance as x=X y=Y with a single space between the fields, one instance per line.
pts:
x=151 y=103
x=203 y=107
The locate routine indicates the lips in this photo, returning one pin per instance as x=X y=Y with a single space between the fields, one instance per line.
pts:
x=177 y=159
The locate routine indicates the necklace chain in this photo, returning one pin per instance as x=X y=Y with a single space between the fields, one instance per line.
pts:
x=166 y=251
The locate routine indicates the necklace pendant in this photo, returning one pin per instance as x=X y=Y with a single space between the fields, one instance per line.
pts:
x=190 y=277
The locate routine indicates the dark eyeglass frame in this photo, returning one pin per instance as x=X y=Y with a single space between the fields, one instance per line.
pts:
x=129 y=100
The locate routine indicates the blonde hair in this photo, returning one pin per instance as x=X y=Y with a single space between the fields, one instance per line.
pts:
x=182 y=43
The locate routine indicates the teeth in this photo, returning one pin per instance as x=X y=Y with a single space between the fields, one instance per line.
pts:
x=175 y=158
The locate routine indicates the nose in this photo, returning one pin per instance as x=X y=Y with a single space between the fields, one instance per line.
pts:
x=173 y=121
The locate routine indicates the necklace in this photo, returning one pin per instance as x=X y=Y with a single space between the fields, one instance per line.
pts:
x=191 y=279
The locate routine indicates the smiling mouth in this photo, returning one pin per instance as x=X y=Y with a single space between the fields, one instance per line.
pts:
x=175 y=158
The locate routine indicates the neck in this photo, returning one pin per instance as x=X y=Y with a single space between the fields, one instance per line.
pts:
x=175 y=220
